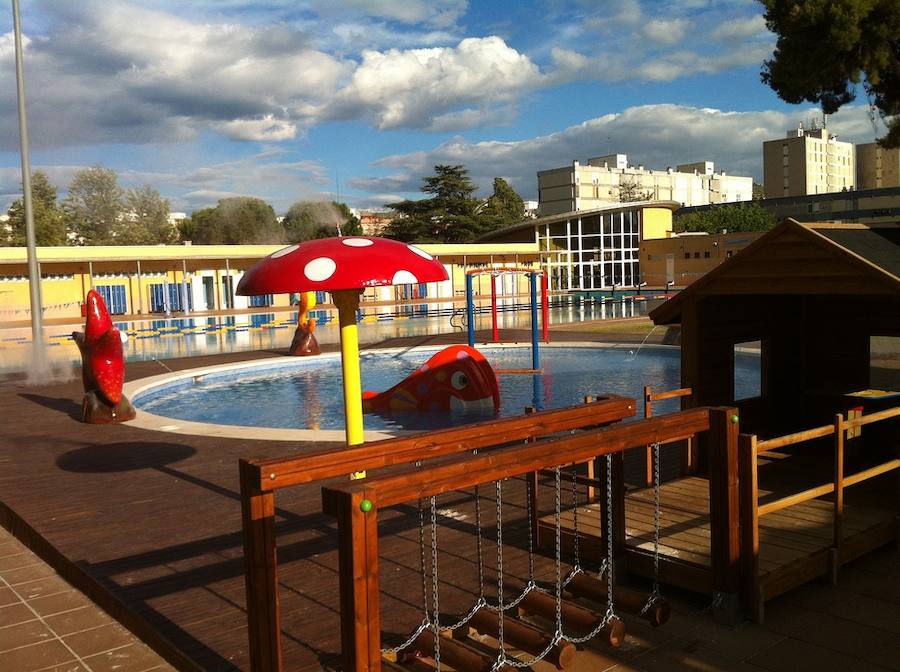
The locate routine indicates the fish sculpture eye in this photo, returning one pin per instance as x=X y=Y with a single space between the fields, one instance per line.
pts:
x=459 y=380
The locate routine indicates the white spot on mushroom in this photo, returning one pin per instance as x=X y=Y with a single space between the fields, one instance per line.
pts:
x=404 y=278
x=320 y=269
x=421 y=253
x=283 y=251
x=357 y=242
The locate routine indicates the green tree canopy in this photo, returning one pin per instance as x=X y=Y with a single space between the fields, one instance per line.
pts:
x=49 y=223
x=146 y=219
x=503 y=208
x=306 y=220
x=826 y=47
x=241 y=220
x=449 y=216
x=732 y=217
x=94 y=206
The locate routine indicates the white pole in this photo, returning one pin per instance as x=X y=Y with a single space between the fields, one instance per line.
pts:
x=38 y=354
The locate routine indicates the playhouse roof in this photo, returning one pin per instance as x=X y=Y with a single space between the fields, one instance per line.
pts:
x=811 y=258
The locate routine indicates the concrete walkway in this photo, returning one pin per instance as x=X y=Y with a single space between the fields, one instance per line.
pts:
x=47 y=625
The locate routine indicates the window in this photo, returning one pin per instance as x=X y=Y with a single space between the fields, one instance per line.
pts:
x=696 y=255
x=729 y=253
x=706 y=254
x=687 y=255
x=747 y=370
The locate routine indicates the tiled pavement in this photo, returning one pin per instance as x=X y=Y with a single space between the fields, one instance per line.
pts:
x=48 y=626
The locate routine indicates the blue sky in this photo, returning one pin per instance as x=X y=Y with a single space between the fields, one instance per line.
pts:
x=293 y=100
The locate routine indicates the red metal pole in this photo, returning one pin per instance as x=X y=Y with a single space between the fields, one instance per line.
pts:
x=545 y=308
x=496 y=332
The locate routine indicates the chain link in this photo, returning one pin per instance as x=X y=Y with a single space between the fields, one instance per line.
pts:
x=499 y=502
x=610 y=578
x=655 y=594
x=436 y=625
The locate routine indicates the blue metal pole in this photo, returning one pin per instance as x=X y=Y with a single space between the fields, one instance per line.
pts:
x=470 y=311
x=535 y=356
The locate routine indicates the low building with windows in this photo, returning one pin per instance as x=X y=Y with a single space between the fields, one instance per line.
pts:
x=165 y=279
x=597 y=249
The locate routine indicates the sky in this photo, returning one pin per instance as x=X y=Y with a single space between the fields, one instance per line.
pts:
x=358 y=100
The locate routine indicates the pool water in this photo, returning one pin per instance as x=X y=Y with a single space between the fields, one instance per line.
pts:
x=306 y=393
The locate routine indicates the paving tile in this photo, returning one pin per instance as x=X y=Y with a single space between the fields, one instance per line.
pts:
x=686 y=657
x=825 y=629
x=10 y=546
x=887 y=655
x=792 y=655
x=77 y=620
x=733 y=643
x=871 y=584
x=16 y=613
x=29 y=573
x=18 y=560
x=55 y=604
x=8 y=596
x=870 y=612
x=104 y=638
x=35 y=657
x=133 y=658
x=71 y=666
x=43 y=587
x=24 y=634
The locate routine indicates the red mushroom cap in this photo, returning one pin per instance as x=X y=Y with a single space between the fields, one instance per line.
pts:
x=331 y=264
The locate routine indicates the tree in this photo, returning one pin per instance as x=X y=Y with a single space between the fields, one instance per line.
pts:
x=146 y=219
x=306 y=220
x=49 y=224
x=732 y=217
x=241 y=220
x=449 y=216
x=94 y=206
x=503 y=208
x=630 y=192
x=826 y=47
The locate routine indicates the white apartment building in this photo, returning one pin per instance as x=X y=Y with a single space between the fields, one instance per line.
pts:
x=808 y=161
x=609 y=179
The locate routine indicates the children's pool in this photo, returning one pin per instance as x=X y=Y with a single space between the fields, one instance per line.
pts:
x=306 y=393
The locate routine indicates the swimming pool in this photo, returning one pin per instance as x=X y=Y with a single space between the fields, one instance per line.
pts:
x=306 y=393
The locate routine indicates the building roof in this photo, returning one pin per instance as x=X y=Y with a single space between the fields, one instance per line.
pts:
x=529 y=224
x=812 y=258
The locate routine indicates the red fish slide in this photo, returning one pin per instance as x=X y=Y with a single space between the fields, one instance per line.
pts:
x=457 y=379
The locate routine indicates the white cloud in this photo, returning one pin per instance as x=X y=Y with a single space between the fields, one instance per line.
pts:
x=410 y=88
x=665 y=31
x=267 y=129
x=656 y=136
x=739 y=29
x=441 y=13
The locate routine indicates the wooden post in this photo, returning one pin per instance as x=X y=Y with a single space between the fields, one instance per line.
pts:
x=835 y=553
x=357 y=517
x=618 y=510
x=260 y=572
x=749 y=518
x=725 y=542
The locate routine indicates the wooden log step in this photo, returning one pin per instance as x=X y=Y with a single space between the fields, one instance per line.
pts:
x=523 y=636
x=410 y=664
x=581 y=619
x=627 y=599
x=456 y=653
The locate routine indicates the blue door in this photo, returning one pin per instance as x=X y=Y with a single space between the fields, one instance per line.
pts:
x=114 y=297
x=162 y=301
x=261 y=300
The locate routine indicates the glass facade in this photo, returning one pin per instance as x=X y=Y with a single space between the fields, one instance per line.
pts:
x=593 y=250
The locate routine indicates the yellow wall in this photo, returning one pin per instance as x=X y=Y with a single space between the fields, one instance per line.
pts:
x=657 y=223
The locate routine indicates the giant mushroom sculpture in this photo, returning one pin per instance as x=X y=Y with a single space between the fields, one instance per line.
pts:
x=344 y=266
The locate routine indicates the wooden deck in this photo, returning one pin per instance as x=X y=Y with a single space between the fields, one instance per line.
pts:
x=794 y=542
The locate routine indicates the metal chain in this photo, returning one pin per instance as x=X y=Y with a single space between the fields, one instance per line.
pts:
x=575 y=515
x=426 y=620
x=478 y=544
x=559 y=587
x=655 y=594
x=436 y=625
x=530 y=500
x=610 y=578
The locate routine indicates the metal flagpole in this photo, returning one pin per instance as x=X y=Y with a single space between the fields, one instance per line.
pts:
x=39 y=359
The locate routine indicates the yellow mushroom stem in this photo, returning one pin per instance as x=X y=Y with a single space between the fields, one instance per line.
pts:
x=347 y=302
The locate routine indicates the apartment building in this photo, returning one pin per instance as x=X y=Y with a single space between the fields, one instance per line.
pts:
x=808 y=161
x=606 y=180
x=877 y=167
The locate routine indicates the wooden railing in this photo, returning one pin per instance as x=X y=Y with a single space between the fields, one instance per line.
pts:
x=356 y=505
x=689 y=455
x=260 y=479
x=749 y=449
